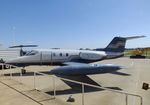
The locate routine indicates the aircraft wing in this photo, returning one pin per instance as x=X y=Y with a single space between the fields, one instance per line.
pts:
x=74 y=64
x=79 y=72
x=74 y=69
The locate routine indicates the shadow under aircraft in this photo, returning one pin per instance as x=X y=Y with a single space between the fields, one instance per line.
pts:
x=83 y=78
x=77 y=88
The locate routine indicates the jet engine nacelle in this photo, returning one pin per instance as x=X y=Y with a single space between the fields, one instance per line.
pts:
x=91 y=56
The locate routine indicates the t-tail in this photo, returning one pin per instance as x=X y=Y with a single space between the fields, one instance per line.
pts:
x=117 y=46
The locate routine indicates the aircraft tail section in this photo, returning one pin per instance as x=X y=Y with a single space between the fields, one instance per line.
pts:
x=118 y=43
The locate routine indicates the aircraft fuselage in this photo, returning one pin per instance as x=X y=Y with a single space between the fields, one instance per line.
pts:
x=59 y=56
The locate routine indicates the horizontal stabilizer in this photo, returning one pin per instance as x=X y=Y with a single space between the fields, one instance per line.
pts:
x=118 y=43
x=134 y=37
x=20 y=46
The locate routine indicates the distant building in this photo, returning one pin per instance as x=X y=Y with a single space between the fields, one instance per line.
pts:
x=8 y=53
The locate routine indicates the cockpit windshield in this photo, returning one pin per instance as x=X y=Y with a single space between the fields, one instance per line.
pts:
x=33 y=52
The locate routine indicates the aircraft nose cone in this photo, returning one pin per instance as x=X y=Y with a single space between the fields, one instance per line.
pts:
x=10 y=61
x=13 y=61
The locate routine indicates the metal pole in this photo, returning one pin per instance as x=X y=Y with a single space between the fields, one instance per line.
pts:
x=13 y=35
x=126 y=99
x=10 y=72
x=54 y=87
x=2 y=66
x=2 y=69
x=20 y=75
x=141 y=100
x=34 y=80
x=82 y=94
x=11 y=75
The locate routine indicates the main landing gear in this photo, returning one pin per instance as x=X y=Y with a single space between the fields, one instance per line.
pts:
x=23 y=70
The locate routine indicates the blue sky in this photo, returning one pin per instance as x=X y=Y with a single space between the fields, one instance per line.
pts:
x=73 y=23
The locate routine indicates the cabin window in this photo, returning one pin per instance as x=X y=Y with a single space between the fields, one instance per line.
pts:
x=67 y=54
x=60 y=54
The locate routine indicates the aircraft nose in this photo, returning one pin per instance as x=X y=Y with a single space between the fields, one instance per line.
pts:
x=11 y=61
x=14 y=61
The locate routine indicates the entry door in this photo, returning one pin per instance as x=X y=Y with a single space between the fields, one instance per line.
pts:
x=46 y=57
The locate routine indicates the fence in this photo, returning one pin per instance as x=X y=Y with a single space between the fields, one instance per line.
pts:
x=35 y=73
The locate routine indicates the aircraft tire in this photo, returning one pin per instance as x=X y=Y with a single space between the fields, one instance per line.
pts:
x=23 y=71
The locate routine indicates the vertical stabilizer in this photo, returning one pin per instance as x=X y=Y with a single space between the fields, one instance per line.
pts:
x=118 y=43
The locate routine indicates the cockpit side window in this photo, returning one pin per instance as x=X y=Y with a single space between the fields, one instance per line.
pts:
x=33 y=52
